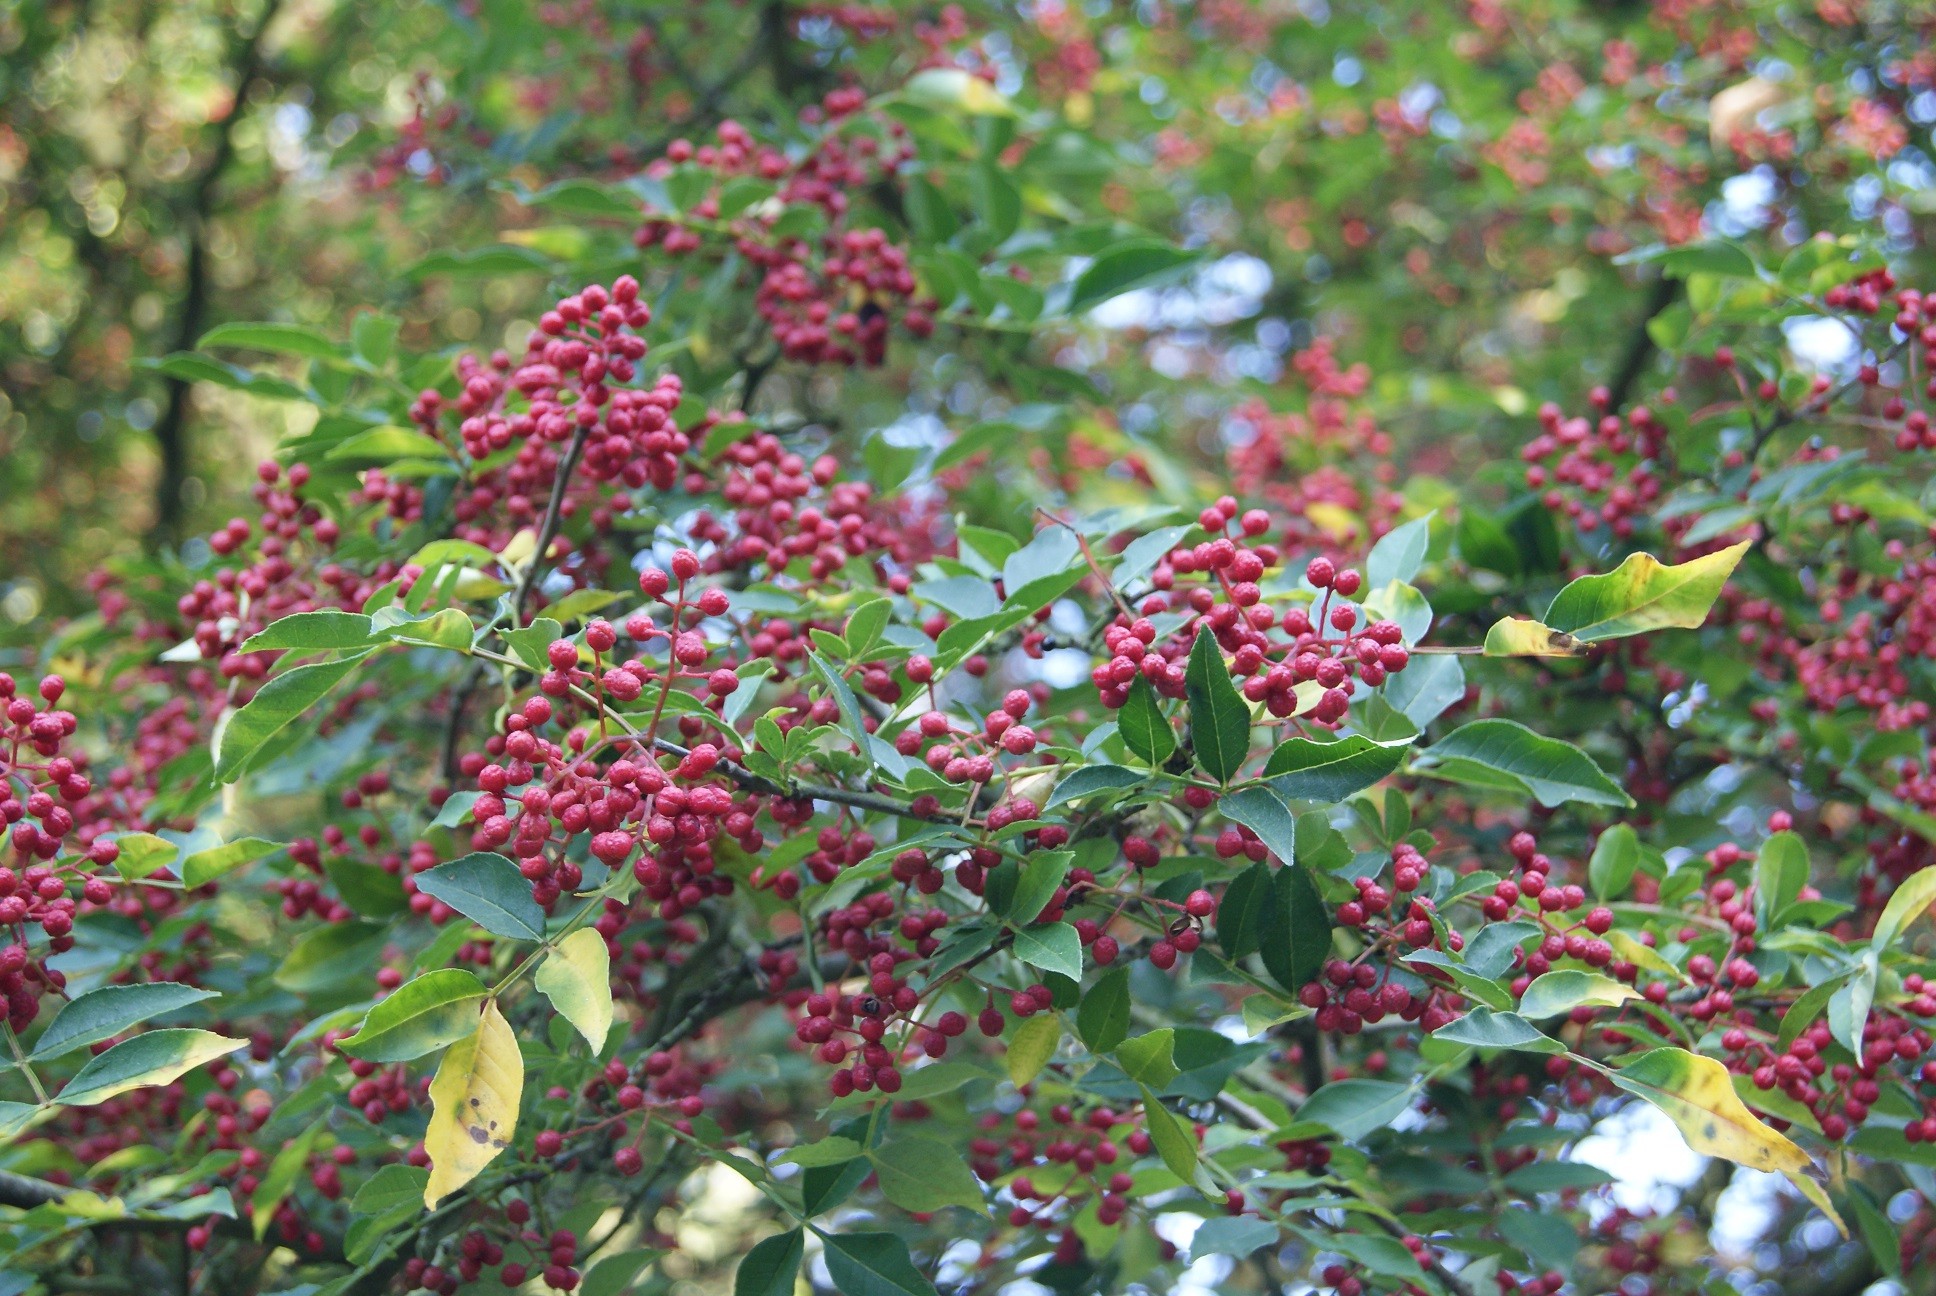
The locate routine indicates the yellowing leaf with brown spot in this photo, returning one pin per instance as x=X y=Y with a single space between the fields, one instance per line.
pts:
x=474 y=1105
x=577 y=978
x=1698 y=1096
x=1524 y=637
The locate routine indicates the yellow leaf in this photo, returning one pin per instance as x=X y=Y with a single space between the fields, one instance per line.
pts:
x=1737 y=106
x=1337 y=521
x=518 y=549
x=1524 y=637
x=577 y=978
x=1698 y=1096
x=474 y=1105
x=1629 y=950
x=1031 y=1046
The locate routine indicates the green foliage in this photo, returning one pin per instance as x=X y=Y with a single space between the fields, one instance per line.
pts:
x=798 y=773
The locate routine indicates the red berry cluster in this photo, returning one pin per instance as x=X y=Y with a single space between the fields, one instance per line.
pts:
x=1323 y=648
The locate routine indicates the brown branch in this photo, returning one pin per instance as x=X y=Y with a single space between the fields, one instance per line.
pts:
x=171 y=429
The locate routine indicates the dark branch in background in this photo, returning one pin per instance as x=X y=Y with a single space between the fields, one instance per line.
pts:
x=1640 y=343
x=171 y=429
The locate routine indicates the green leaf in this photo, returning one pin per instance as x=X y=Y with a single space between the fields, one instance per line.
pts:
x=1053 y=947
x=772 y=1267
x=1557 y=1176
x=1040 y=877
x=1329 y=772
x=873 y=1264
x=918 y=1173
x=1232 y=1235
x=16 y=1117
x=1173 y=1143
x=1709 y=256
x=1091 y=779
x=279 y=339
x=1879 y=1233
x=385 y=444
x=843 y=696
x=281 y=700
x=1294 y=932
x=480 y=263
x=1145 y=729
x=1102 y=1019
x=391 y=1186
x=1615 y=858
x=107 y=1011
x=154 y=1057
x=1907 y=902
x=1219 y=719
x=1043 y=570
x=365 y=888
x=617 y=1274
x=1484 y=1028
x=1506 y=756
x=446 y=628
x=142 y=854
x=329 y=957
x=373 y=338
x=1125 y=267
x=1781 y=871
x=1426 y=688
x=1240 y=913
x=1149 y=1059
x=1642 y=594
x=290 y=1161
x=487 y=889
x=1262 y=811
x=427 y=1013
x=1566 y=989
x=865 y=624
x=1355 y=1108
x=1031 y=1046
x=324 y=631
x=205 y=866
x=1549 y=1241
x=1848 y=1007
x=1140 y=556
x=829 y=1151
x=1399 y=553
x=1475 y=986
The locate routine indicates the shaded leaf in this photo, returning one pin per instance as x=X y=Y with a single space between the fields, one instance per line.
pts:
x=418 y=1016
x=106 y=1011
x=1219 y=718
x=1507 y=756
x=154 y=1057
x=489 y=890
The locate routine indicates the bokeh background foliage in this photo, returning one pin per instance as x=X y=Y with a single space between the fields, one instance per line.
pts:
x=1512 y=290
